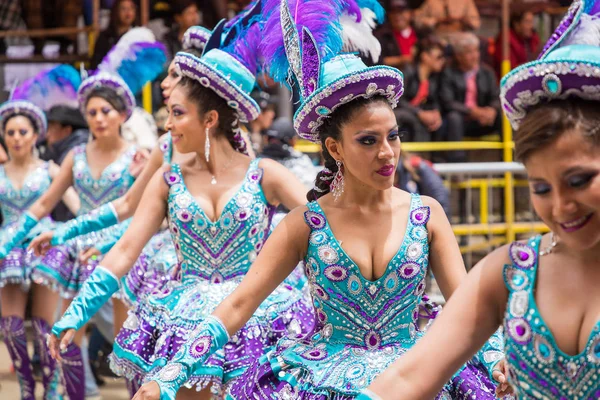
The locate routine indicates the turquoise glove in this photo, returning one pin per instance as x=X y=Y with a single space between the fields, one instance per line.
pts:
x=105 y=246
x=96 y=291
x=204 y=341
x=492 y=352
x=366 y=394
x=17 y=233
x=98 y=219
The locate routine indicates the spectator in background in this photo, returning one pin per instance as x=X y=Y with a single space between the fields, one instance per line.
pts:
x=123 y=17
x=66 y=129
x=469 y=94
x=416 y=175
x=524 y=41
x=257 y=129
x=185 y=15
x=47 y=14
x=397 y=37
x=419 y=111
x=448 y=16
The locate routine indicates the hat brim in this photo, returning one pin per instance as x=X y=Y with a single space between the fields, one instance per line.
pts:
x=366 y=83
x=543 y=81
x=246 y=108
x=108 y=81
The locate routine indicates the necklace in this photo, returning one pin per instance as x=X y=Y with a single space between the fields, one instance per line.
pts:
x=551 y=246
x=213 y=180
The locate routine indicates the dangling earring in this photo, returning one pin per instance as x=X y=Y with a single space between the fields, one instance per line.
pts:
x=207 y=145
x=337 y=185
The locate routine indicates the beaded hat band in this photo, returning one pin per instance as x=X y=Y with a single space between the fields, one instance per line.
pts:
x=104 y=80
x=23 y=107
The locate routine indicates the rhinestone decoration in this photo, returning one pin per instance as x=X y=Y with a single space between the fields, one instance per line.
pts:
x=184 y=215
x=594 y=351
x=170 y=372
x=315 y=354
x=328 y=254
x=318 y=238
x=201 y=346
x=409 y=270
x=336 y=273
x=519 y=330
x=420 y=216
x=492 y=356
x=414 y=251
x=419 y=233
x=543 y=349
x=391 y=282
x=354 y=285
x=515 y=278
x=552 y=85
x=522 y=255
x=320 y=292
x=372 y=340
x=132 y=322
x=314 y=220
x=519 y=303
x=242 y=214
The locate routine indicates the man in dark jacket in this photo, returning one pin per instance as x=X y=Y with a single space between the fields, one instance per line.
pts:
x=419 y=109
x=66 y=129
x=469 y=95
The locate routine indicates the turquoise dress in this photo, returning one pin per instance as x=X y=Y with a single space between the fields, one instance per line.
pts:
x=538 y=368
x=363 y=326
x=60 y=267
x=213 y=258
x=19 y=264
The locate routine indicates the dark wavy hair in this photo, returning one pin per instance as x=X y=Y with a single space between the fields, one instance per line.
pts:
x=110 y=96
x=207 y=100
x=332 y=128
x=36 y=129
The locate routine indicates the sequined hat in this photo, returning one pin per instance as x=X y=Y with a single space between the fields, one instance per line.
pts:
x=195 y=38
x=23 y=107
x=313 y=39
x=104 y=80
x=568 y=67
x=228 y=64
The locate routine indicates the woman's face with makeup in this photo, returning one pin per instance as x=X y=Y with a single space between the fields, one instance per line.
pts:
x=187 y=130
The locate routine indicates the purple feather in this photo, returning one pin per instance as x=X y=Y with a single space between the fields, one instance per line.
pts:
x=244 y=48
x=321 y=18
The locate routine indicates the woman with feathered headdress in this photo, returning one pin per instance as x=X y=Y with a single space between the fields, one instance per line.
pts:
x=219 y=205
x=545 y=290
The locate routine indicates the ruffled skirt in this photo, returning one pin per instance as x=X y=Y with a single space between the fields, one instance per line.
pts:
x=161 y=323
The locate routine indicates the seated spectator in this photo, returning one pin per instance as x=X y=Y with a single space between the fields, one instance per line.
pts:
x=257 y=129
x=185 y=15
x=397 y=36
x=448 y=16
x=524 y=41
x=419 y=108
x=415 y=175
x=123 y=17
x=66 y=129
x=469 y=95
x=50 y=14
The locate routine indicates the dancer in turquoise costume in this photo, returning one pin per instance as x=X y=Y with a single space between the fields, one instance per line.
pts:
x=366 y=280
x=219 y=206
x=23 y=179
x=544 y=290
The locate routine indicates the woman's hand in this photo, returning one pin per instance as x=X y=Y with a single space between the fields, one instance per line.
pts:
x=148 y=391
x=140 y=159
x=500 y=375
x=41 y=244
x=57 y=348
x=88 y=254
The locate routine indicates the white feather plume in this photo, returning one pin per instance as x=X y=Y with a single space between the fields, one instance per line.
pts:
x=358 y=36
x=124 y=48
x=587 y=31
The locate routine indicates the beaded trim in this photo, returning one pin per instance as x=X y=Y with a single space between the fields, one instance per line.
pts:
x=555 y=84
x=195 y=38
x=23 y=107
x=564 y=28
x=246 y=108
x=111 y=82
x=312 y=113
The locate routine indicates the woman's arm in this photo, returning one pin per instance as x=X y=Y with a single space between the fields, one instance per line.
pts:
x=70 y=198
x=445 y=259
x=470 y=317
x=281 y=186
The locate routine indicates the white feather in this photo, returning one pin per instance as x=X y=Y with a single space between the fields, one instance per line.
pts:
x=123 y=50
x=587 y=31
x=358 y=36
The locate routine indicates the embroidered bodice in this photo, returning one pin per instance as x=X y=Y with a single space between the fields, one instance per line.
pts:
x=355 y=311
x=165 y=144
x=222 y=250
x=538 y=368
x=113 y=183
x=15 y=202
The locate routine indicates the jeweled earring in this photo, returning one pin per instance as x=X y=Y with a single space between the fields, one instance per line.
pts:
x=207 y=145
x=337 y=185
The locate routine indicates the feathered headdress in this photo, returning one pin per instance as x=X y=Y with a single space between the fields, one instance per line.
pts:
x=302 y=45
x=195 y=38
x=568 y=67
x=51 y=87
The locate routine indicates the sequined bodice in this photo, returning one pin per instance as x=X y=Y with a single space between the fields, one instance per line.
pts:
x=165 y=144
x=113 y=183
x=353 y=310
x=14 y=202
x=538 y=368
x=225 y=249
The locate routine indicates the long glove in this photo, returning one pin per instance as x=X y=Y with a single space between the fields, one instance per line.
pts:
x=204 y=341
x=105 y=246
x=366 y=394
x=96 y=291
x=492 y=352
x=98 y=219
x=17 y=233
